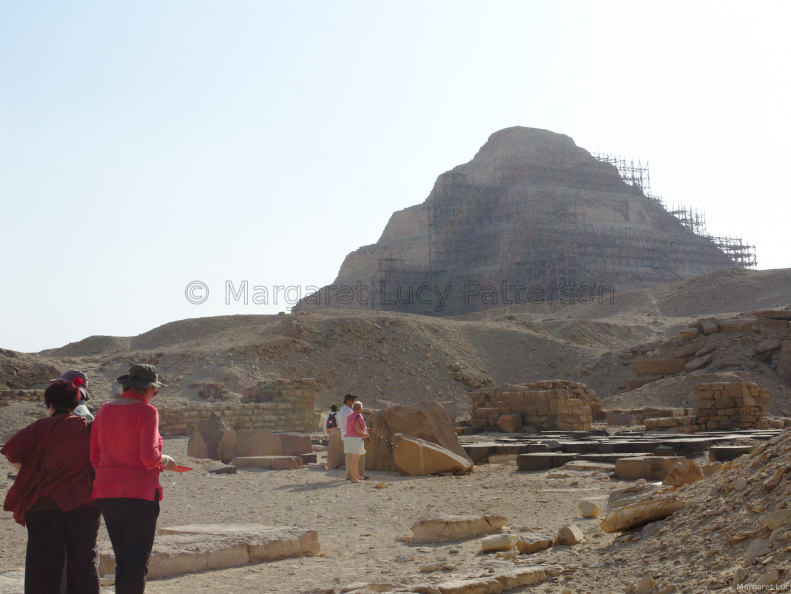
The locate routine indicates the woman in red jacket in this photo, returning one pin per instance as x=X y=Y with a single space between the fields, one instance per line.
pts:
x=52 y=495
x=126 y=451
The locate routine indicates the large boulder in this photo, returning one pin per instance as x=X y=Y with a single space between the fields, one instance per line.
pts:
x=417 y=457
x=533 y=543
x=426 y=421
x=684 y=472
x=448 y=528
x=640 y=513
x=650 y=468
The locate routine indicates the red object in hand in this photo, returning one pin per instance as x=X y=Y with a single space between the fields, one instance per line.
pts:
x=180 y=468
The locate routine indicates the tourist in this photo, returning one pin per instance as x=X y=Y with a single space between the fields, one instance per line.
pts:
x=332 y=420
x=353 y=445
x=52 y=496
x=82 y=383
x=126 y=451
x=343 y=415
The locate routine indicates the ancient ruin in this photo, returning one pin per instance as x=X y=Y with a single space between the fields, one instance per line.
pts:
x=531 y=219
x=545 y=405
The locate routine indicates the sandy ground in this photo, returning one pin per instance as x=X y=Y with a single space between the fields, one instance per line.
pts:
x=362 y=527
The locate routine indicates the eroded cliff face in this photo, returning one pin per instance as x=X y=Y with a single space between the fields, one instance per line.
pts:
x=530 y=208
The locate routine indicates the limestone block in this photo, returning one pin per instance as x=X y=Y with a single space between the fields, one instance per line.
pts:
x=588 y=509
x=498 y=542
x=775 y=519
x=530 y=543
x=699 y=362
x=640 y=513
x=690 y=334
x=449 y=528
x=687 y=349
x=773 y=314
x=621 y=419
x=416 y=457
x=735 y=325
x=543 y=461
x=569 y=535
x=510 y=423
x=267 y=443
x=213 y=444
x=709 y=326
x=528 y=576
x=658 y=366
x=667 y=423
x=684 y=472
x=650 y=468
x=472 y=586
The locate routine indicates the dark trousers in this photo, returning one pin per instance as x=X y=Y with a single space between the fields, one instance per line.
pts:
x=131 y=524
x=56 y=537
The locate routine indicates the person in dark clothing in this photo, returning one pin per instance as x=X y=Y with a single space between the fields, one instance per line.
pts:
x=52 y=496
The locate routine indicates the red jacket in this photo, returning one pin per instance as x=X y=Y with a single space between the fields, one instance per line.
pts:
x=126 y=449
x=54 y=453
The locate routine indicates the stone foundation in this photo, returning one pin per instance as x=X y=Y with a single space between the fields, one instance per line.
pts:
x=546 y=405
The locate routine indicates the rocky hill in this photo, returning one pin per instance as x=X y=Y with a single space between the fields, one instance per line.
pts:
x=395 y=358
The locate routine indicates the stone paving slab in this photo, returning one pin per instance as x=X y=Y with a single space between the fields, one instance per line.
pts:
x=197 y=547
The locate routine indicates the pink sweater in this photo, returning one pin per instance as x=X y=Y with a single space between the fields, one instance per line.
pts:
x=126 y=449
x=351 y=431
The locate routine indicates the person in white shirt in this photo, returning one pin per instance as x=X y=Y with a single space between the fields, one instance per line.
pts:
x=343 y=415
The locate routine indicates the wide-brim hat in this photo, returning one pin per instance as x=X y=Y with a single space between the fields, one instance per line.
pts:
x=81 y=380
x=141 y=376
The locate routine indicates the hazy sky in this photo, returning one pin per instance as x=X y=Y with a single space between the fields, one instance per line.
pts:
x=145 y=145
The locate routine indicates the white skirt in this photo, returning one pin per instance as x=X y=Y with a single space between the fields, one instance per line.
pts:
x=353 y=445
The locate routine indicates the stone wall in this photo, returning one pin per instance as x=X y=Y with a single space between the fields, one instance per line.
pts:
x=723 y=405
x=545 y=405
x=730 y=405
x=282 y=405
x=9 y=396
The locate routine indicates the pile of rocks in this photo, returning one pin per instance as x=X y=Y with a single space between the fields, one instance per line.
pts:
x=545 y=405
x=706 y=342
